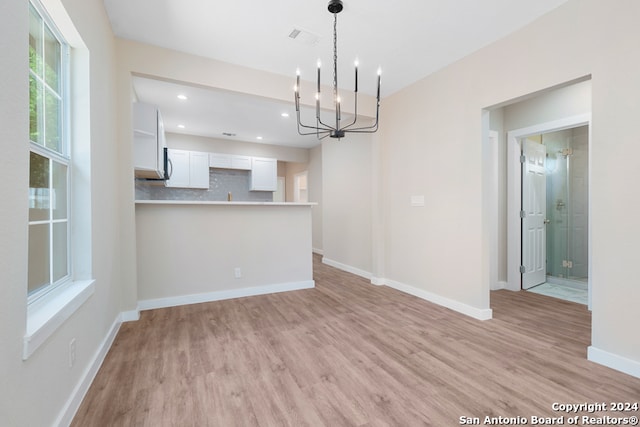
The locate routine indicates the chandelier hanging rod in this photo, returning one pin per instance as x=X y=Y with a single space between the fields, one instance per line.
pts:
x=322 y=130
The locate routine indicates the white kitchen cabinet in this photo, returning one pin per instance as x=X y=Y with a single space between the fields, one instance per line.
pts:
x=189 y=169
x=148 y=141
x=218 y=160
x=264 y=174
x=241 y=162
x=229 y=161
x=198 y=170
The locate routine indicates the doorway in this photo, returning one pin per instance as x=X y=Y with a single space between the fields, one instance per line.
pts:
x=549 y=209
x=555 y=233
x=300 y=190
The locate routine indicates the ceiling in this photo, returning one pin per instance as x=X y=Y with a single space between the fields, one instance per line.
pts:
x=223 y=114
x=407 y=39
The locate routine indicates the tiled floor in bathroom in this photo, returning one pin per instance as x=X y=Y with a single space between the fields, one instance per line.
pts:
x=568 y=293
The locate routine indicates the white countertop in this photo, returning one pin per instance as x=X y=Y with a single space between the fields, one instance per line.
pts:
x=198 y=202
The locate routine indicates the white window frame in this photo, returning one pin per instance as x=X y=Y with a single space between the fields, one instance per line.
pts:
x=63 y=157
x=47 y=313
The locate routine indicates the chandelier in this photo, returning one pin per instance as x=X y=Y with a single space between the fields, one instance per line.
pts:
x=322 y=130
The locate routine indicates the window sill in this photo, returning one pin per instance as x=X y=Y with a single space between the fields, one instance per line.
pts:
x=45 y=316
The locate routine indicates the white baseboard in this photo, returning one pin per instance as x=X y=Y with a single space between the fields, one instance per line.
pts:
x=347 y=268
x=499 y=285
x=222 y=295
x=378 y=281
x=613 y=361
x=476 y=313
x=130 y=316
x=73 y=403
x=317 y=251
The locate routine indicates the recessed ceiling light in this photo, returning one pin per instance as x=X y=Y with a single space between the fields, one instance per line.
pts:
x=181 y=126
x=285 y=114
x=258 y=137
x=182 y=97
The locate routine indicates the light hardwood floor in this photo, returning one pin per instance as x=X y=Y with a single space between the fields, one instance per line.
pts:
x=348 y=353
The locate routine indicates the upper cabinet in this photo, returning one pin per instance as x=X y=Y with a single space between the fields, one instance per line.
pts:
x=229 y=161
x=264 y=174
x=188 y=169
x=148 y=142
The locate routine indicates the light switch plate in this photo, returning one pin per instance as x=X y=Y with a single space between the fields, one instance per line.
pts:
x=417 y=200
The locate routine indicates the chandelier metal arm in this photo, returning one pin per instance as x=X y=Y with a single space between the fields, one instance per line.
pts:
x=316 y=129
x=355 y=109
x=367 y=129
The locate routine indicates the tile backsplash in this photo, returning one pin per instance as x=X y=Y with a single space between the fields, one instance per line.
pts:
x=221 y=183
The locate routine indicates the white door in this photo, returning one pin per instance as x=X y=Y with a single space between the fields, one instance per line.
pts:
x=279 y=195
x=300 y=193
x=534 y=207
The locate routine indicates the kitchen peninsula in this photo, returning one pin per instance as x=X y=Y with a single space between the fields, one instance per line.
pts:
x=197 y=251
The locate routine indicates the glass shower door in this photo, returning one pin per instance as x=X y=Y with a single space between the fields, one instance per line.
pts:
x=567 y=204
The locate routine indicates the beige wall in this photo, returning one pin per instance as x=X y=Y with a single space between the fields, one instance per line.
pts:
x=431 y=133
x=569 y=101
x=347 y=191
x=45 y=379
x=315 y=195
x=270 y=244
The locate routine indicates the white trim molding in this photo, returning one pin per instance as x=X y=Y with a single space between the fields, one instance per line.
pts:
x=223 y=295
x=501 y=284
x=317 y=251
x=130 y=316
x=613 y=361
x=344 y=267
x=460 y=307
x=73 y=403
x=377 y=281
x=50 y=312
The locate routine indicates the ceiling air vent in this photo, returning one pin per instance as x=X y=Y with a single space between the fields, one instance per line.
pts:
x=303 y=36
x=228 y=134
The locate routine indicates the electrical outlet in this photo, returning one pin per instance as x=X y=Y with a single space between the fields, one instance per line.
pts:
x=72 y=352
x=238 y=272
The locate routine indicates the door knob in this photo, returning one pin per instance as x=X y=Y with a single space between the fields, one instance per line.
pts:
x=547 y=221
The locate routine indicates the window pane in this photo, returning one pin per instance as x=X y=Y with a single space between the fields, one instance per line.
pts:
x=38 y=188
x=36 y=111
x=52 y=61
x=59 y=190
x=59 y=250
x=35 y=42
x=53 y=120
x=38 y=256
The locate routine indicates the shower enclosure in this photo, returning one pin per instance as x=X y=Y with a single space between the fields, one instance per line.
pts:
x=567 y=206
